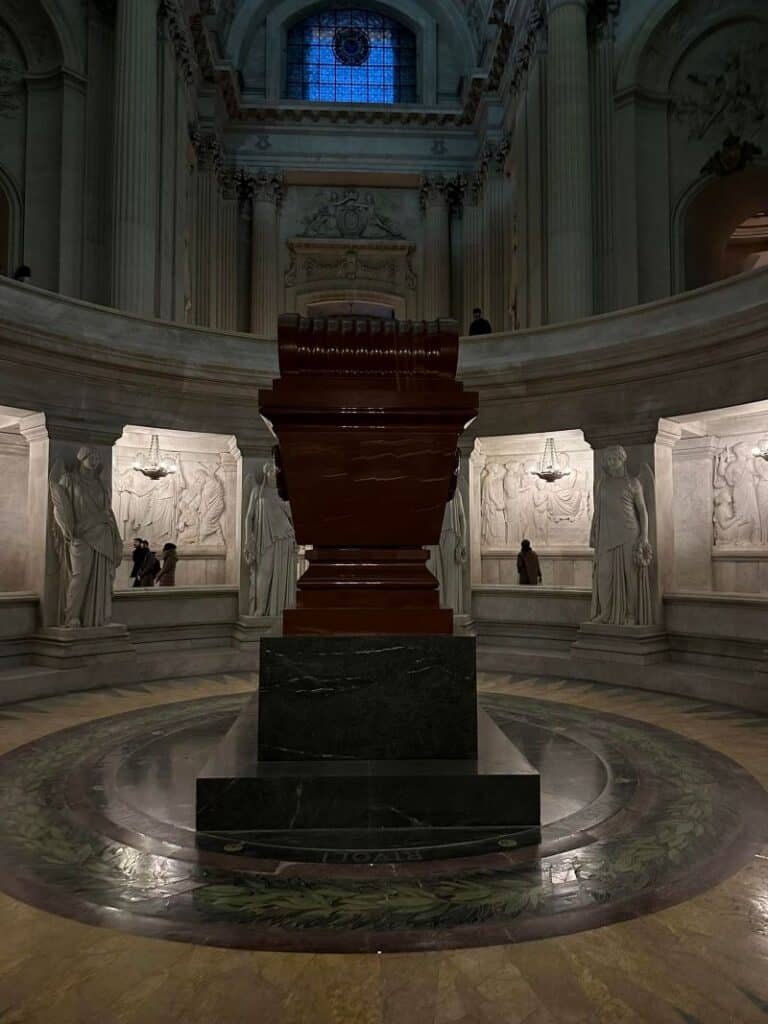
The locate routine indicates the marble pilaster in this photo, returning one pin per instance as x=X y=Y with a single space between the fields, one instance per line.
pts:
x=135 y=162
x=495 y=284
x=569 y=163
x=435 y=203
x=602 y=58
x=693 y=502
x=266 y=191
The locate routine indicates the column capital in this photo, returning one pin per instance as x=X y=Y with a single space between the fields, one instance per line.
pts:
x=228 y=183
x=433 y=191
x=261 y=187
x=207 y=148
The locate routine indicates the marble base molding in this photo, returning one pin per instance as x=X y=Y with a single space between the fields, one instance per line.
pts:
x=640 y=645
x=64 y=647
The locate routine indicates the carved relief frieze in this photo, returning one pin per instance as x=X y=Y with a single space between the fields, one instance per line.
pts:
x=352 y=213
x=373 y=262
x=184 y=508
x=740 y=497
x=515 y=504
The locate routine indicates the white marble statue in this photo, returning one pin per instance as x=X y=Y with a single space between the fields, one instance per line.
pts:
x=621 y=593
x=211 y=505
x=270 y=548
x=447 y=559
x=88 y=541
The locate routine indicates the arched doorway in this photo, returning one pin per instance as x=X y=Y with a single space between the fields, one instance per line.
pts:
x=726 y=228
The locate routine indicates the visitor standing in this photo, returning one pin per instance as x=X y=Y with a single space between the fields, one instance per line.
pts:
x=150 y=566
x=528 y=568
x=138 y=554
x=479 y=324
x=167 y=576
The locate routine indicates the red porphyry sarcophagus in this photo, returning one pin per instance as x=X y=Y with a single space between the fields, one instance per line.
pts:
x=367 y=413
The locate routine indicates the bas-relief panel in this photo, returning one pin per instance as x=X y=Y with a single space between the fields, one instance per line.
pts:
x=555 y=517
x=187 y=508
x=740 y=495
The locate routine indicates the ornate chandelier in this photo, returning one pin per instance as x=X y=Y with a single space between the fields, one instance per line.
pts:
x=549 y=468
x=154 y=464
x=761 y=450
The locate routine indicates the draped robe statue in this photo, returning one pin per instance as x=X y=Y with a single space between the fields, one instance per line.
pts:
x=270 y=548
x=88 y=541
x=621 y=593
x=446 y=560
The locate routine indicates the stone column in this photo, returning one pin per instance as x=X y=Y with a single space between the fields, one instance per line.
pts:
x=569 y=178
x=228 y=250
x=244 y=251
x=693 y=461
x=436 y=300
x=205 y=279
x=472 y=252
x=267 y=195
x=134 y=160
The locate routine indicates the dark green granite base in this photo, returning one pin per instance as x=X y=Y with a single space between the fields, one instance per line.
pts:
x=367 y=697
x=236 y=790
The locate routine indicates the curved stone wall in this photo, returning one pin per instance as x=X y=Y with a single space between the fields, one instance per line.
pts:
x=80 y=374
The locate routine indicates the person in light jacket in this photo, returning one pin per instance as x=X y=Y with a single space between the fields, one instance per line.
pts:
x=167 y=575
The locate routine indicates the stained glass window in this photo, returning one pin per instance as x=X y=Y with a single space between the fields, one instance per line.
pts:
x=351 y=56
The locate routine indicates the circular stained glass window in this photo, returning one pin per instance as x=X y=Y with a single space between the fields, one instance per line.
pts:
x=351 y=45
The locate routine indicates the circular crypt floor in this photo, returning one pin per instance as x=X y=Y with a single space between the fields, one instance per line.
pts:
x=97 y=824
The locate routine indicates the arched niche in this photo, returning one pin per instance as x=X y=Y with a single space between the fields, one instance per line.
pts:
x=708 y=218
x=10 y=225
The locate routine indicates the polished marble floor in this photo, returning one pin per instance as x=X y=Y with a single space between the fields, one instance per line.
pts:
x=701 y=958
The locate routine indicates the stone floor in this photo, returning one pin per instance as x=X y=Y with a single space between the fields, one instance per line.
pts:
x=700 y=961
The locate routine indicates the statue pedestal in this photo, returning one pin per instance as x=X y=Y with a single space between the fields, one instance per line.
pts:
x=636 y=645
x=375 y=734
x=78 y=646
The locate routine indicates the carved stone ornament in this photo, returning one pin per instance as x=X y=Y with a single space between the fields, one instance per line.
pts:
x=349 y=214
x=733 y=95
x=733 y=156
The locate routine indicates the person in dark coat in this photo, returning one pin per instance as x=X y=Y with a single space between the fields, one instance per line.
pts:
x=139 y=554
x=150 y=566
x=167 y=577
x=479 y=324
x=528 y=568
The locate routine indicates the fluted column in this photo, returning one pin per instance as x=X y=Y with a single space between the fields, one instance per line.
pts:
x=495 y=283
x=228 y=257
x=472 y=255
x=436 y=301
x=134 y=185
x=603 y=57
x=267 y=196
x=206 y=200
x=570 y=253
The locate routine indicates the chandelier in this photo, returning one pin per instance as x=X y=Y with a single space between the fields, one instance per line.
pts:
x=761 y=451
x=154 y=464
x=549 y=468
